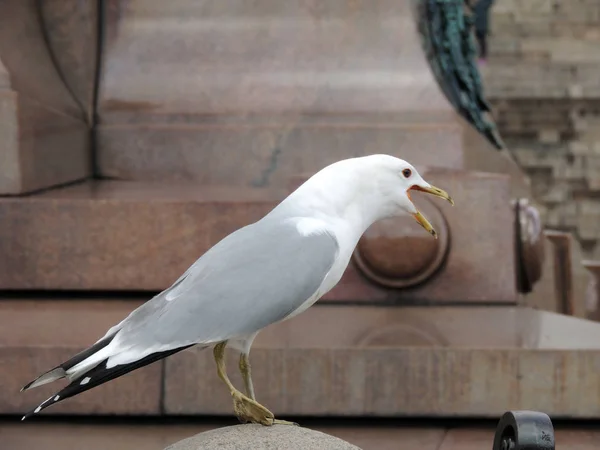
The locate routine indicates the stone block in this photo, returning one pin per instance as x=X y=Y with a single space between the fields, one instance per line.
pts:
x=553 y=218
x=548 y=136
x=72 y=36
x=46 y=139
x=557 y=194
x=593 y=183
x=34 y=323
x=575 y=91
x=302 y=366
x=272 y=152
x=263 y=67
x=36 y=76
x=117 y=236
x=39 y=148
x=569 y=214
x=573 y=171
x=535 y=7
x=259 y=94
x=578 y=148
x=150 y=234
x=588 y=227
x=392 y=382
x=39 y=322
x=589 y=207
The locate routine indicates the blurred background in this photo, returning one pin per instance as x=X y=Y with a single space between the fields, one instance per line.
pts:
x=135 y=134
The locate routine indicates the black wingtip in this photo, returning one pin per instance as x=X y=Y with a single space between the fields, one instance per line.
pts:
x=30 y=414
x=97 y=376
x=49 y=402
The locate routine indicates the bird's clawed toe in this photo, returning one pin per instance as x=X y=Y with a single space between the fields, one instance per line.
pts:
x=284 y=422
x=250 y=411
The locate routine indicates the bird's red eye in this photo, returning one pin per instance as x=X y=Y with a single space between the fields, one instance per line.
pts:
x=407 y=173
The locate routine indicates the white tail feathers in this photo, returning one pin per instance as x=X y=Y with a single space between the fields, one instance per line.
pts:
x=89 y=363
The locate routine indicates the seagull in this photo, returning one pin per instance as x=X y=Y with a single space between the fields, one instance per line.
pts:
x=261 y=274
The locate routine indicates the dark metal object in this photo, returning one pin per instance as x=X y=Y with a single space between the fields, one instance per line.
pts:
x=445 y=27
x=524 y=430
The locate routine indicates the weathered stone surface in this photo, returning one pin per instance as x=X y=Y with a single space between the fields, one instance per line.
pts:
x=272 y=152
x=388 y=382
x=53 y=149
x=242 y=437
x=302 y=367
x=32 y=323
x=233 y=57
x=544 y=296
x=72 y=323
x=137 y=393
x=116 y=236
x=45 y=139
x=71 y=29
x=35 y=75
x=242 y=84
x=40 y=148
x=150 y=234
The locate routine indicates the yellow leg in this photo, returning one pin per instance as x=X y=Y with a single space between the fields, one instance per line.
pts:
x=245 y=370
x=246 y=409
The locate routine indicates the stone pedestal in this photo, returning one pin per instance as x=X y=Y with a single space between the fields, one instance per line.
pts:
x=283 y=437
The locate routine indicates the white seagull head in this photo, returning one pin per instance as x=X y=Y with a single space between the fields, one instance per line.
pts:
x=367 y=189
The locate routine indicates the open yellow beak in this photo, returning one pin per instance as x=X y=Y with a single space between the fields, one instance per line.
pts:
x=433 y=191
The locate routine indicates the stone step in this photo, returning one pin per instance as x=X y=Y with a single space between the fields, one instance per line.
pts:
x=382 y=362
x=80 y=322
x=141 y=236
x=118 y=235
x=77 y=322
x=356 y=382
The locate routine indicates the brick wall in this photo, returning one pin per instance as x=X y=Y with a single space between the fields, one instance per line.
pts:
x=543 y=80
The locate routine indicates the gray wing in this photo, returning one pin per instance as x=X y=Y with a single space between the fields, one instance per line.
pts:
x=254 y=277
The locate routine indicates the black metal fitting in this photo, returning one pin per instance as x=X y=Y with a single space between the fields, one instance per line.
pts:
x=524 y=430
